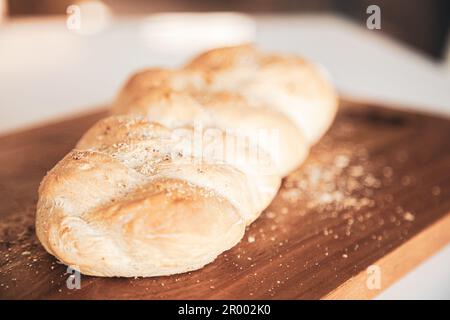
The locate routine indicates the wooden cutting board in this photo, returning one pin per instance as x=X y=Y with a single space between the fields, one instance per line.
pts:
x=371 y=202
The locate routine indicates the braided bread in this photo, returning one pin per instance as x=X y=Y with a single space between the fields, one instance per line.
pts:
x=187 y=160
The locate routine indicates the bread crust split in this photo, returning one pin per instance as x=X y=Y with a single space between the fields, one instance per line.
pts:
x=172 y=178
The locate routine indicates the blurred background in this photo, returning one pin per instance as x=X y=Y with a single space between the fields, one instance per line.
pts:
x=61 y=57
x=421 y=24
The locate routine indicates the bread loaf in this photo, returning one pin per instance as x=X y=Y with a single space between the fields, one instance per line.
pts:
x=188 y=158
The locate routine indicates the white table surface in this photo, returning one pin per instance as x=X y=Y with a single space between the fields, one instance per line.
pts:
x=48 y=72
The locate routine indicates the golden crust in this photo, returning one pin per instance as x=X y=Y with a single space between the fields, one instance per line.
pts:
x=288 y=84
x=220 y=59
x=138 y=197
x=144 y=203
x=163 y=227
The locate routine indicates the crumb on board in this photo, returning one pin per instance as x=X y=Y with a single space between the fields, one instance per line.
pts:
x=435 y=191
x=337 y=184
x=408 y=216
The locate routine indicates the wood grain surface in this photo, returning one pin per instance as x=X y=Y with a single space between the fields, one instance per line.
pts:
x=370 y=203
